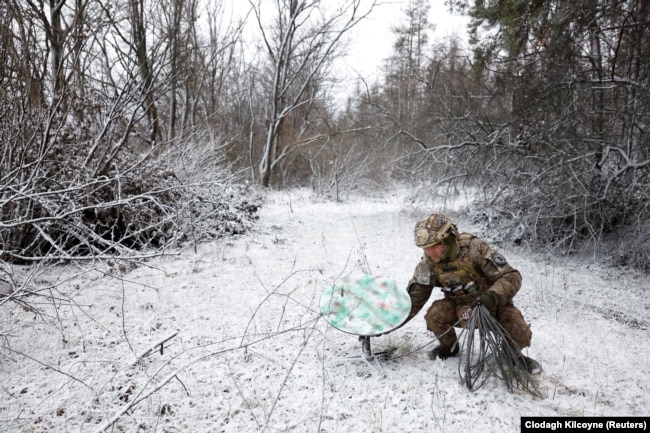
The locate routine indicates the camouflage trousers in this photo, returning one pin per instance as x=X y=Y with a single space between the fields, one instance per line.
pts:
x=442 y=316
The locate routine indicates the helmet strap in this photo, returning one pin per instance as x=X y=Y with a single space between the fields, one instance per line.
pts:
x=451 y=252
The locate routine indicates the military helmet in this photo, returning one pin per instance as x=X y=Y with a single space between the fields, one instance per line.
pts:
x=434 y=229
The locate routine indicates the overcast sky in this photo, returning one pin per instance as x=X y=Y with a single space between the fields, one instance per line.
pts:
x=374 y=38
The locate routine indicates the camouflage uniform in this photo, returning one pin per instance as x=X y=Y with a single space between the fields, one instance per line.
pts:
x=468 y=269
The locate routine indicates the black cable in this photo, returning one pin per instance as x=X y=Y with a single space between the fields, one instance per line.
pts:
x=492 y=354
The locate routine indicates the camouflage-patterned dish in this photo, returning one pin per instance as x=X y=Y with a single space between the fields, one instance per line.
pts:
x=365 y=305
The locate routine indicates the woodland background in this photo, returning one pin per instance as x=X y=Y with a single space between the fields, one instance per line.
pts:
x=130 y=127
x=135 y=132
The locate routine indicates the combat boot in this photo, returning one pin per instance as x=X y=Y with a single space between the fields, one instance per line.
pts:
x=532 y=366
x=443 y=352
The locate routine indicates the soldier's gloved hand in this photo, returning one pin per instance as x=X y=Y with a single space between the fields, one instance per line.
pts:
x=490 y=301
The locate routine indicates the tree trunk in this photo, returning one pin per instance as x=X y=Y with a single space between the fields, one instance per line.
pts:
x=139 y=34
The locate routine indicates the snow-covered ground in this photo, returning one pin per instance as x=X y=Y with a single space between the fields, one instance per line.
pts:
x=249 y=351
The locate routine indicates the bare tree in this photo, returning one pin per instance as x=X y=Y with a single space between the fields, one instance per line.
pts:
x=140 y=47
x=78 y=176
x=562 y=141
x=405 y=67
x=300 y=42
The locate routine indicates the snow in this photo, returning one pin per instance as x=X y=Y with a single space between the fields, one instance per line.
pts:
x=253 y=354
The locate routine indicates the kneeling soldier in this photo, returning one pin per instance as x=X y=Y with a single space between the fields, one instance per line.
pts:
x=469 y=272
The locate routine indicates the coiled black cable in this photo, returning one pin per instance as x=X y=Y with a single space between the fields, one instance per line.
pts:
x=490 y=352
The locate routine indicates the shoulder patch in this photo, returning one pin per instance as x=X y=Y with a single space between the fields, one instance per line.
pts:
x=498 y=259
x=422 y=273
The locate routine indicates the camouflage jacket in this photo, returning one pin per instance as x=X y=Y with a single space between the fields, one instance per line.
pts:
x=472 y=269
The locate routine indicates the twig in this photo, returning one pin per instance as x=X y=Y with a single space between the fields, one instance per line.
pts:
x=153 y=347
x=126 y=337
x=286 y=377
x=49 y=367
x=144 y=395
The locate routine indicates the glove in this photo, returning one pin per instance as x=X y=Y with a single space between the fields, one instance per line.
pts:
x=490 y=301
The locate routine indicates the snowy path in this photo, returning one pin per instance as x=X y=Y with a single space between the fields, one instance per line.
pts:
x=252 y=354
